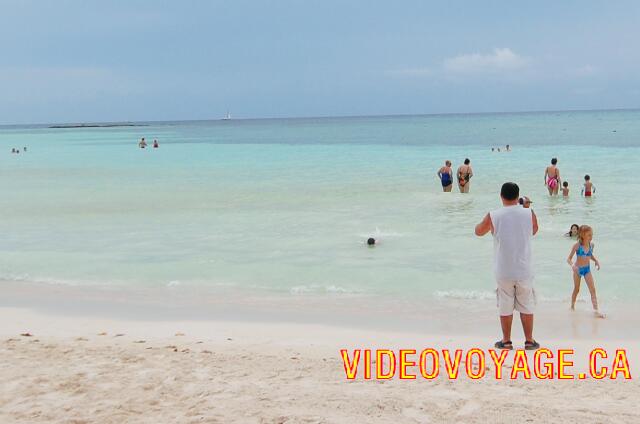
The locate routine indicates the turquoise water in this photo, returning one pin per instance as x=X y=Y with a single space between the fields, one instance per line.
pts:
x=284 y=206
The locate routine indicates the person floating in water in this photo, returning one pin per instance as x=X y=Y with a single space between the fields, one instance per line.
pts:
x=371 y=242
x=464 y=176
x=552 y=177
x=446 y=176
x=589 y=188
x=508 y=148
x=142 y=143
x=155 y=144
x=583 y=250
x=565 y=189
x=573 y=231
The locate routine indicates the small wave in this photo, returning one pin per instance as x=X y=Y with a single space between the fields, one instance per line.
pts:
x=379 y=234
x=465 y=294
x=337 y=289
x=316 y=289
x=491 y=295
x=26 y=278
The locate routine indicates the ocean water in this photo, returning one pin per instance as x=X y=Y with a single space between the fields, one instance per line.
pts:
x=284 y=206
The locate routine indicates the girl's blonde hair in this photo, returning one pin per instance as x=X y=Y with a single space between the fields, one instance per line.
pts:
x=584 y=229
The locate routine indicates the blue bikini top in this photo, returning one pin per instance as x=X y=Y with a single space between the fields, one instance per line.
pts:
x=581 y=252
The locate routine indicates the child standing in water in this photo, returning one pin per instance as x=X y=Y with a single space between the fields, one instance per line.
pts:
x=583 y=249
x=565 y=189
x=589 y=188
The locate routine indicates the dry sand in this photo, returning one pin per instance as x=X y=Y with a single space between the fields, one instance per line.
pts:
x=92 y=370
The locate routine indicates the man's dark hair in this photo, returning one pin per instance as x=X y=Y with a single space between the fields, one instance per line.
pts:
x=554 y=161
x=565 y=184
x=509 y=191
x=466 y=161
x=587 y=177
x=371 y=241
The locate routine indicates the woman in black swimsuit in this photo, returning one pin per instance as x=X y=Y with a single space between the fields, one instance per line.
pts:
x=464 y=176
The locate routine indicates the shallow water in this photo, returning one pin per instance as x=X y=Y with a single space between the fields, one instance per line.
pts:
x=284 y=206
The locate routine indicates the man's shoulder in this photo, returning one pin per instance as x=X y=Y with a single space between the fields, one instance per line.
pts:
x=519 y=210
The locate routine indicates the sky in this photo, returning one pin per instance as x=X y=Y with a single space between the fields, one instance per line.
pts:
x=142 y=60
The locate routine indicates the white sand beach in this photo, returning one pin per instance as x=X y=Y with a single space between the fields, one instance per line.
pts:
x=71 y=367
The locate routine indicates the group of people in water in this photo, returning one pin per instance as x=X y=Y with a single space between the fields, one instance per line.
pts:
x=551 y=178
x=507 y=148
x=16 y=150
x=552 y=181
x=582 y=250
x=143 y=144
x=463 y=176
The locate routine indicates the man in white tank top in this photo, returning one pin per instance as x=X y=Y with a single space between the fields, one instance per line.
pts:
x=512 y=227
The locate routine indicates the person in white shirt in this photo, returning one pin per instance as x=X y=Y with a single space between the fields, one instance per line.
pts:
x=512 y=227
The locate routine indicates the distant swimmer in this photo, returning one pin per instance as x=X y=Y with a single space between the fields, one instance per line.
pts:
x=552 y=177
x=24 y=149
x=13 y=150
x=589 y=188
x=565 y=189
x=371 y=242
x=446 y=176
x=465 y=172
x=142 y=143
x=508 y=148
x=155 y=144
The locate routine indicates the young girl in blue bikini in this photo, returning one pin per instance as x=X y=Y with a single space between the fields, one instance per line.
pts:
x=583 y=250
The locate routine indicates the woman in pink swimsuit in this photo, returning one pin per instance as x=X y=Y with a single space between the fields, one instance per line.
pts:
x=552 y=177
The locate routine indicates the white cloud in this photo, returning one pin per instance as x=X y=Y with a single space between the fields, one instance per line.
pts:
x=501 y=60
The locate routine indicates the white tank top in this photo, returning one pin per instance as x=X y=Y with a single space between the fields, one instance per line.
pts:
x=512 y=233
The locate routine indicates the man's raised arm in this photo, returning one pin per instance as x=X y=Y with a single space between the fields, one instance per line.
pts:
x=484 y=226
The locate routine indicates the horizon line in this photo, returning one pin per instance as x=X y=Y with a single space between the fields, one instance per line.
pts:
x=399 y=115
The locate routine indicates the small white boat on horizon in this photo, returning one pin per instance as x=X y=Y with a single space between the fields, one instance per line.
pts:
x=227 y=116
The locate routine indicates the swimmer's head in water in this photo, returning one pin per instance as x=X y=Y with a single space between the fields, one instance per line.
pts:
x=509 y=191
x=554 y=161
x=574 y=229
x=371 y=241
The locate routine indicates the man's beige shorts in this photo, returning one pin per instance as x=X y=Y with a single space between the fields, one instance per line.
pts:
x=515 y=295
